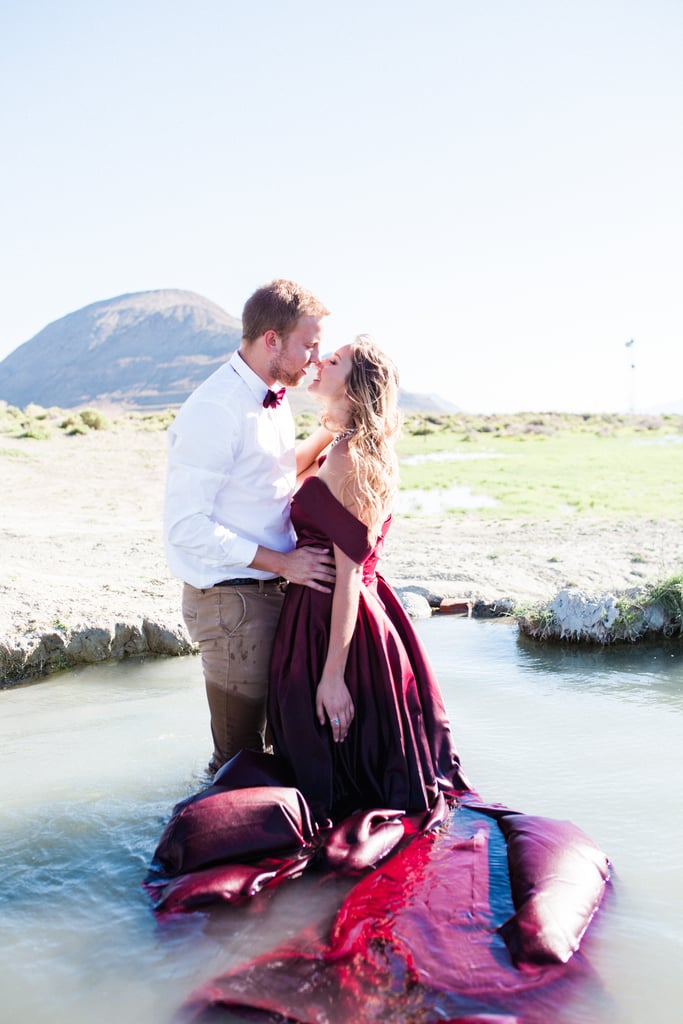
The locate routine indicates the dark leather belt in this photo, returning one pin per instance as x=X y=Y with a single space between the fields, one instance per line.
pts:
x=249 y=582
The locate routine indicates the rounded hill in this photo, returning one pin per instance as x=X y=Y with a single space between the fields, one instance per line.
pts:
x=143 y=350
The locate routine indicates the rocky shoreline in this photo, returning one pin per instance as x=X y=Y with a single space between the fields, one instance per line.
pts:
x=84 y=578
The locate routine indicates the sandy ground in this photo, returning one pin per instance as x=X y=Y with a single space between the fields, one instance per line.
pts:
x=80 y=543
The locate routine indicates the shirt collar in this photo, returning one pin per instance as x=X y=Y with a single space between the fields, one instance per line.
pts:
x=257 y=387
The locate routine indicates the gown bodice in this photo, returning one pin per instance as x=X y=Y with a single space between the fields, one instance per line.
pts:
x=319 y=518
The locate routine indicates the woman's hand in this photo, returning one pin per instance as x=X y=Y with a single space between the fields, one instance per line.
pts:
x=333 y=702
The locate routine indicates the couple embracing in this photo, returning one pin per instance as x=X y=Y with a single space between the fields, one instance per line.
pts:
x=303 y=643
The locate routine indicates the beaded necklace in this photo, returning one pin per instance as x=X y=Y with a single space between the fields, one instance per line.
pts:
x=342 y=437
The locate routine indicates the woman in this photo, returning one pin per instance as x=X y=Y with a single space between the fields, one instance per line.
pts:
x=354 y=706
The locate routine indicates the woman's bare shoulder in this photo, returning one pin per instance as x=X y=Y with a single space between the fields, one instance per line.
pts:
x=338 y=473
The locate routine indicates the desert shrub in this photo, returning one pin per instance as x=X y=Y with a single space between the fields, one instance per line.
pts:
x=36 y=430
x=73 y=425
x=666 y=597
x=9 y=415
x=669 y=596
x=94 y=419
x=305 y=423
x=83 y=421
x=419 y=426
x=33 y=422
x=35 y=412
x=158 y=420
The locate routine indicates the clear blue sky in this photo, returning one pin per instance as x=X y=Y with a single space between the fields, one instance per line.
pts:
x=493 y=189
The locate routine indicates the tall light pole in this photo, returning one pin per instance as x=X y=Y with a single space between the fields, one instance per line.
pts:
x=632 y=376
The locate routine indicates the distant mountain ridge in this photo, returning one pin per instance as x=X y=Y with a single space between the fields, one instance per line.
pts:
x=145 y=350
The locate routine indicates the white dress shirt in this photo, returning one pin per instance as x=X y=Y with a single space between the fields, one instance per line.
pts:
x=231 y=476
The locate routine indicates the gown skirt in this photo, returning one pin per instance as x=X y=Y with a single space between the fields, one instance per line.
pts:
x=399 y=751
x=461 y=910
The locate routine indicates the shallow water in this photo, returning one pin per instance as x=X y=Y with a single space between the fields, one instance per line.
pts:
x=92 y=762
x=441 y=499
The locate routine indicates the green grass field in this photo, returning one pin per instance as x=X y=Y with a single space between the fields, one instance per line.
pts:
x=534 y=465
x=541 y=466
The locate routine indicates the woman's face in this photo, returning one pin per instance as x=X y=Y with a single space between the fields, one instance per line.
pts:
x=333 y=373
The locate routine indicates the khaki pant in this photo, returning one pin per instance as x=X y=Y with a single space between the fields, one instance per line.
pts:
x=234 y=628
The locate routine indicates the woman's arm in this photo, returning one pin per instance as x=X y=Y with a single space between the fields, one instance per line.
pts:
x=332 y=696
x=307 y=452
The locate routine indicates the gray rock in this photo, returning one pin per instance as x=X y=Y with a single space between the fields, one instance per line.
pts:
x=129 y=641
x=88 y=646
x=575 y=615
x=416 y=605
x=164 y=639
x=38 y=655
x=654 y=618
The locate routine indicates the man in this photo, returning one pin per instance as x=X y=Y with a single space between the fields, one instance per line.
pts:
x=232 y=468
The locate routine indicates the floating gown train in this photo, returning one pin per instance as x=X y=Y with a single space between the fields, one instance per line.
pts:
x=462 y=910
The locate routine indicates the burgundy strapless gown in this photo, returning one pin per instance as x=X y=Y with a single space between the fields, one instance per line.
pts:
x=434 y=928
x=399 y=751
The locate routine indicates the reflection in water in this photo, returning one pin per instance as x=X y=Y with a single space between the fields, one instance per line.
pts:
x=438 y=500
x=642 y=673
x=92 y=762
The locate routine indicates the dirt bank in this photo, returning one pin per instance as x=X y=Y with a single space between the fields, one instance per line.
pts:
x=84 y=576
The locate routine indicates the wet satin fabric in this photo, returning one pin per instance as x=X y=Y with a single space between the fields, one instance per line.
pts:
x=399 y=751
x=465 y=909
x=425 y=936
x=461 y=911
x=236 y=838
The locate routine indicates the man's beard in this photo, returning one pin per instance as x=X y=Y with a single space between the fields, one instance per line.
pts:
x=280 y=373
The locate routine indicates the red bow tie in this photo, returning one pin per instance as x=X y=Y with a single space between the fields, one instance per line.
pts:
x=273 y=398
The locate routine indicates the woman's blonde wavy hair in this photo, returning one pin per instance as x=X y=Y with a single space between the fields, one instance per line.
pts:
x=372 y=392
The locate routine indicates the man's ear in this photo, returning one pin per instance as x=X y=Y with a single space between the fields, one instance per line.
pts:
x=272 y=340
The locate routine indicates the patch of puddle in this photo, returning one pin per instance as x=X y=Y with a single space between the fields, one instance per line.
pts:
x=656 y=441
x=439 y=500
x=450 y=456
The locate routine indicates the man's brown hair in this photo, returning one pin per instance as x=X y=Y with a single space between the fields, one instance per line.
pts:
x=278 y=306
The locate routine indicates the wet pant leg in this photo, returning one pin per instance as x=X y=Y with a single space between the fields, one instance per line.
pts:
x=234 y=628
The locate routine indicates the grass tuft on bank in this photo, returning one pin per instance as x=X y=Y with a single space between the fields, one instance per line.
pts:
x=656 y=610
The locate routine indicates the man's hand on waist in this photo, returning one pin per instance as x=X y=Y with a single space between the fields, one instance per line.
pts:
x=310 y=566
x=313 y=567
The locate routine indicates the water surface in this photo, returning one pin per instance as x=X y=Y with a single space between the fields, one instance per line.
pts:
x=92 y=762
